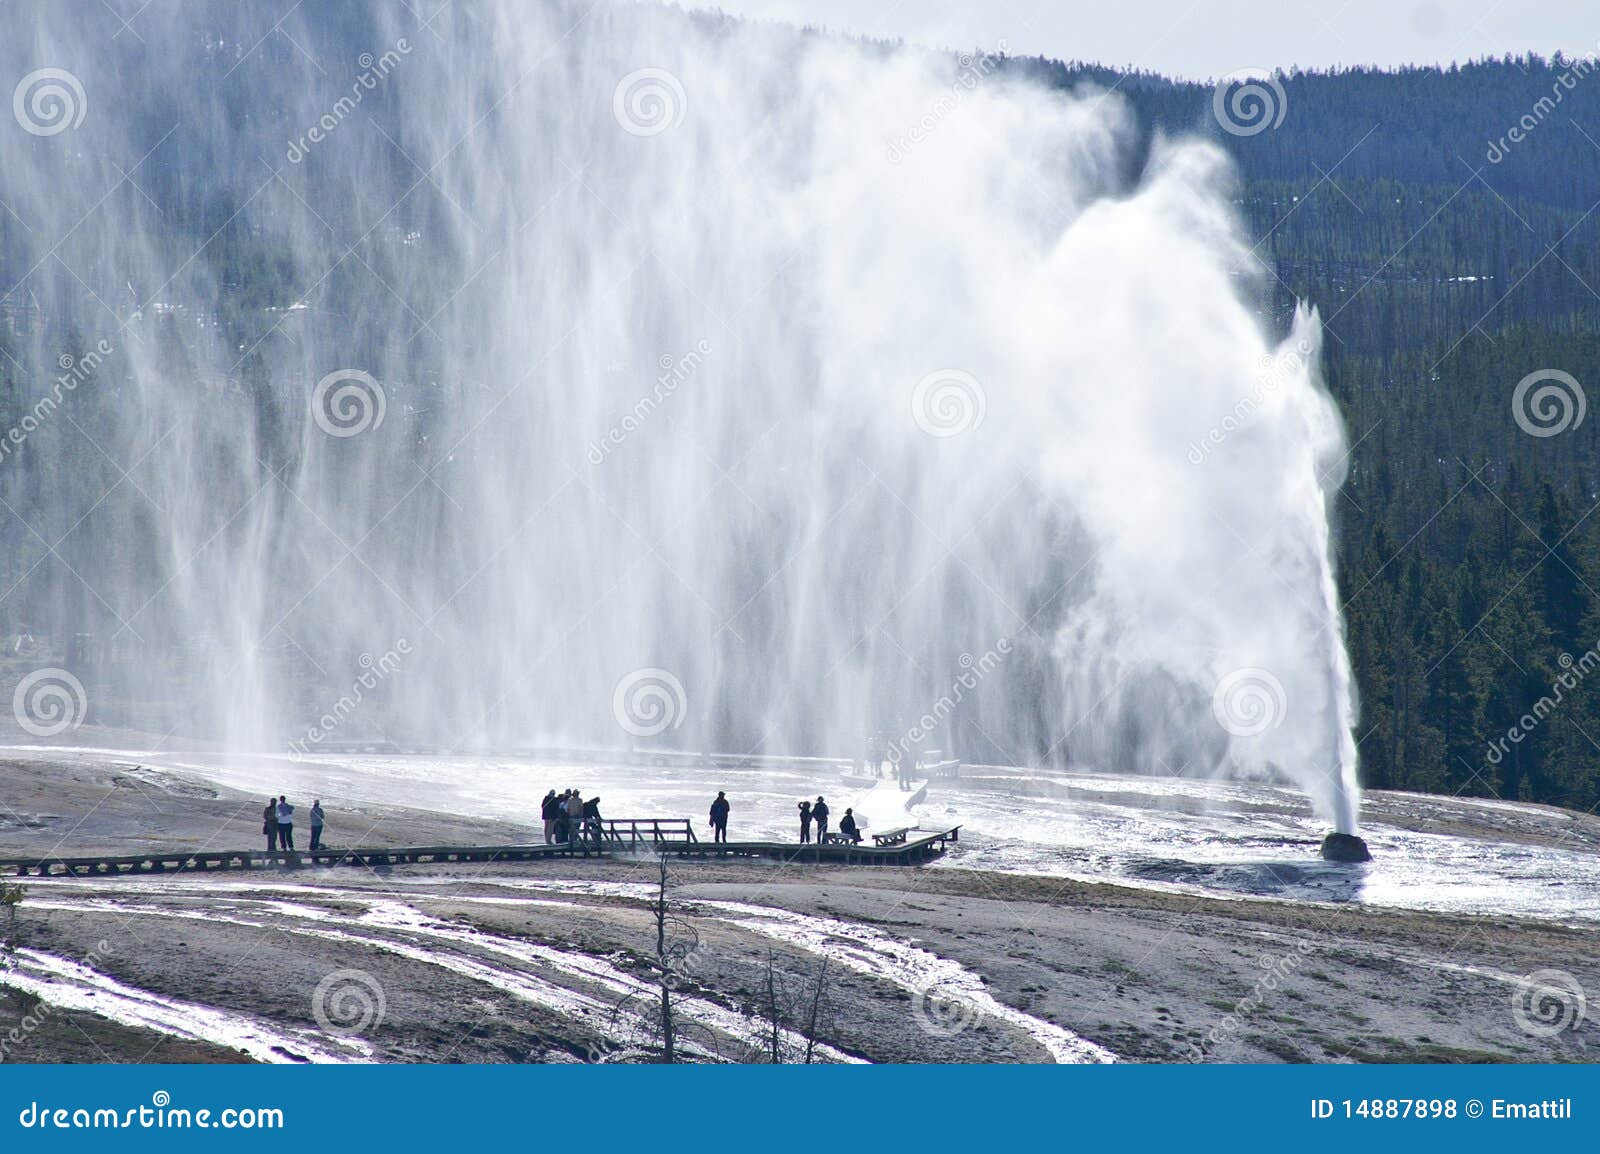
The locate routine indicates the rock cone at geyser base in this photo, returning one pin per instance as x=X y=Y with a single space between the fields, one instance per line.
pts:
x=1345 y=847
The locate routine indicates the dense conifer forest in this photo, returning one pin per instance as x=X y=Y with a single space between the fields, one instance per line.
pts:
x=1449 y=260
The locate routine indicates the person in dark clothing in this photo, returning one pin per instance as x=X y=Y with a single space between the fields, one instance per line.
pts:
x=819 y=814
x=591 y=820
x=269 y=823
x=549 y=811
x=805 y=822
x=719 y=817
x=847 y=827
x=316 y=824
x=565 y=818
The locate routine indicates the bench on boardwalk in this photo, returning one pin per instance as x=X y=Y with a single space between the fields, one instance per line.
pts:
x=891 y=836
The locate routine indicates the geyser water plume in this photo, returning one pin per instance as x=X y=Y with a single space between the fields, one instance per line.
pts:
x=549 y=375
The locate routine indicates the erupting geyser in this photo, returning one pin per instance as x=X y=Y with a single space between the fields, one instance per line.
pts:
x=583 y=349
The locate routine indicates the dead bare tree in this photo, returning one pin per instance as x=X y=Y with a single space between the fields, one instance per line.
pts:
x=11 y=896
x=676 y=944
x=791 y=1008
x=774 y=1011
x=668 y=1040
x=819 y=994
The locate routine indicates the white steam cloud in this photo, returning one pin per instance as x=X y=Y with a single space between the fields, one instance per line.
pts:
x=970 y=377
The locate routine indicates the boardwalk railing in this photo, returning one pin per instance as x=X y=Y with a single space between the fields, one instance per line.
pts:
x=633 y=833
x=674 y=836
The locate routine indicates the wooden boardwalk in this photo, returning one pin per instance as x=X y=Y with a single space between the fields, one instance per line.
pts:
x=622 y=838
x=912 y=851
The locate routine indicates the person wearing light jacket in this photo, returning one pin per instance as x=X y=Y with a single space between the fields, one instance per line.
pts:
x=285 y=824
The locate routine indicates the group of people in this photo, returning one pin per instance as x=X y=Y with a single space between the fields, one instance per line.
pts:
x=817 y=813
x=277 y=823
x=568 y=816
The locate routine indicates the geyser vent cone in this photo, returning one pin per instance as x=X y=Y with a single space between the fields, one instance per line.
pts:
x=1345 y=847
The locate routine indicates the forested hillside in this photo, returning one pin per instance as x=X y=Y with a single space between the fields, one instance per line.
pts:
x=1449 y=261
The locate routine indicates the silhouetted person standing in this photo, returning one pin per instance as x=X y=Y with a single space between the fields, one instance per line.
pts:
x=316 y=824
x=805 y=822
x=574 y=816
x=819 y=814
x=549 y=811
x=719 y=817
x=269 y=824
x=564 y=817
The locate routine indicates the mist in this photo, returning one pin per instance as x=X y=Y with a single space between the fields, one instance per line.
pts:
x=543 y=376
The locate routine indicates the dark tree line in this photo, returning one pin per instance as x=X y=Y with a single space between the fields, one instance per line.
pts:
x=1468 y=549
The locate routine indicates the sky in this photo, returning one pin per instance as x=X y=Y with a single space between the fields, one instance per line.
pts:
x=1198 y=39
